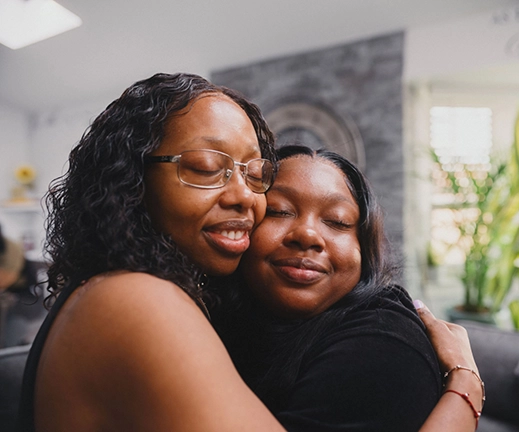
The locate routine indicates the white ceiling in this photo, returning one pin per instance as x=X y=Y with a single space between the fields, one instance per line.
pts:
x=122 y=41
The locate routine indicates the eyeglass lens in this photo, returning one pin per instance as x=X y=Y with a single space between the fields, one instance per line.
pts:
x=212 y=169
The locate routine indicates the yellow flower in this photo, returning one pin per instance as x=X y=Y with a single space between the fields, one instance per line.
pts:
x=25 y=174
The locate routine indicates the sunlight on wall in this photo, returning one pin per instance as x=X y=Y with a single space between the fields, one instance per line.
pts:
x=461 y=135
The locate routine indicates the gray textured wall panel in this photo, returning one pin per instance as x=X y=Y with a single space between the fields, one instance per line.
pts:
x=360 y=81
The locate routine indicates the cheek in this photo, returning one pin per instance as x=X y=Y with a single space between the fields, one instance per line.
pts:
x=259 y=246
x=349 y=259
x=263 y=243
x=260 y=207
x=178 y=207
x=189 y=207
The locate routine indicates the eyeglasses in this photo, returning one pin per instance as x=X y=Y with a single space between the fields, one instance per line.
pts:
x=212 y=169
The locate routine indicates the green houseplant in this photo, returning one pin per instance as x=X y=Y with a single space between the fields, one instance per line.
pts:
x=514 y=311
x=503 y=248
x=491 y=237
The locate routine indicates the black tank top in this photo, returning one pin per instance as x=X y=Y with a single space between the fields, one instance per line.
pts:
x=25 y=420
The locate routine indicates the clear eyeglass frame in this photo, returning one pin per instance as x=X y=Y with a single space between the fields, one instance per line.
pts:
x=212 y=169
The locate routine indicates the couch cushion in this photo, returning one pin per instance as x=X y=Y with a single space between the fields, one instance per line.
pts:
x=12 y=365
x=491 y=424
x=497 y=356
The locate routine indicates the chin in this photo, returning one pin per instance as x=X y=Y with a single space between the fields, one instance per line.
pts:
x=290 y=312
x=222 y=268
x=294 y=314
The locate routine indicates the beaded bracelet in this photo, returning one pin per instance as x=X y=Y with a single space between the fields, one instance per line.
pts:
x=465 y=396
x=458 y=367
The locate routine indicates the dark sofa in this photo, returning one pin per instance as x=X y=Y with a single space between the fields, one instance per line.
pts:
x=497 y=355
x=12 y=363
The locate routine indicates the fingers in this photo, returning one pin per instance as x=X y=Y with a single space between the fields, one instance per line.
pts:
x=424 y=313
x=450 y=341
x=435 y=327
x=430 y=320
x=420 y=306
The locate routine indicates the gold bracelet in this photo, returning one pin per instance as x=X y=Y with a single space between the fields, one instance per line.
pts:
x=458 y=367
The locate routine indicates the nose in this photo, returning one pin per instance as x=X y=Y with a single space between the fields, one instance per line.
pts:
x=305 y=235
x=241 y=167
x=236 y=193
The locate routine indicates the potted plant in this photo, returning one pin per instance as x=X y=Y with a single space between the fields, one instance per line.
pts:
x=514 y=312
x=491 y=238
x=503 y=248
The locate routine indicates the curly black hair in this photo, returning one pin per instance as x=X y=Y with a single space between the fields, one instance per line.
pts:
x=97 y=220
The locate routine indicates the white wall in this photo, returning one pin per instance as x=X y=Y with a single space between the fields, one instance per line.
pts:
x=473 y=43
x=43 y=140
x=14 y=151
x=53 y=134
x=13 y=145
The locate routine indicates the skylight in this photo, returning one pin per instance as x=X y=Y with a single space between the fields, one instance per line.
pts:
x=24 y=22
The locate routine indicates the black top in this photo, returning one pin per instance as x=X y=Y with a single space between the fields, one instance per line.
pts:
x=373 y=369
x=25 y=421
x=374 y=372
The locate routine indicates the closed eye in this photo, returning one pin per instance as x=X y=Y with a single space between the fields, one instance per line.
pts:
x=339 y=224
x=277 y=212
x=207 y=173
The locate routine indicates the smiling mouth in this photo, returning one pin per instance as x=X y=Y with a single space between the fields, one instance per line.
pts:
x=231 y=237
x=233 y=243
x=300 y=270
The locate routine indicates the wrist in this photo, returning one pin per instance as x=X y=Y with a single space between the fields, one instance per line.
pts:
x=466 y=380
x=464 y=383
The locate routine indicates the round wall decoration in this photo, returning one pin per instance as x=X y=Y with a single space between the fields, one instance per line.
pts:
x=316 y=127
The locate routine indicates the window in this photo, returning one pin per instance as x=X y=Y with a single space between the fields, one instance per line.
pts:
x=461 y=141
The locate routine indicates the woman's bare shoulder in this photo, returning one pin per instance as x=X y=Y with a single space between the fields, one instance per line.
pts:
x=128 y=315
x=121 y=285
x=143 y=356
x=117 y=337
x=127 y=299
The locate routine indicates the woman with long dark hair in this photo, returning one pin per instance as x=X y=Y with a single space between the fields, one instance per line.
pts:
x=321 y=333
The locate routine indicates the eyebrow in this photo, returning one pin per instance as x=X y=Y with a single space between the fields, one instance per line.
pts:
x=334 y=197
x=219 y=143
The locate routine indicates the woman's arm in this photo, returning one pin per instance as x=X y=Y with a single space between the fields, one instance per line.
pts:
x=452 y=345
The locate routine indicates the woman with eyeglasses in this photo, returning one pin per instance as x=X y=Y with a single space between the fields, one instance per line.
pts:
x=162 y=191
